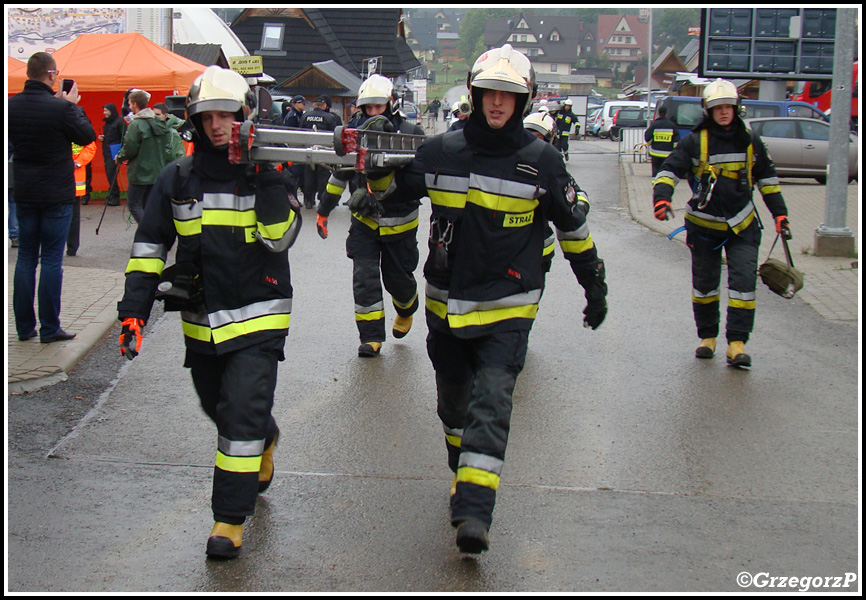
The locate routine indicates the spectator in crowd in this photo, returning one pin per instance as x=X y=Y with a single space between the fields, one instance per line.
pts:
x=81 y=156
x=112 y=139
x=42 y=126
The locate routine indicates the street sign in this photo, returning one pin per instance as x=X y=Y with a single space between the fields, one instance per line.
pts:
x=248 y=66
x=767 y=43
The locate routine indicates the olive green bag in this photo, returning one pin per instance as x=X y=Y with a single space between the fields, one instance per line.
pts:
x=781 y=277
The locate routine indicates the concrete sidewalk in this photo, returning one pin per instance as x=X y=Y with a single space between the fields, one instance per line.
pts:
x=90 y=295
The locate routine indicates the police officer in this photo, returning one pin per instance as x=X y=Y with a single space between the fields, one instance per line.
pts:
x=727 y=161
x=382 y=239
x=565 y=119
x=663 y=137
x=232 y=284
x=316 y=176
x=493 y=187
x=293 y=116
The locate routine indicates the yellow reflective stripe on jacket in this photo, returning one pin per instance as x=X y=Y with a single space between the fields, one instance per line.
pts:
x=335 y=186
x=238 y=464
x=576 y=246
x=196 y=326
x=145 y=265
x=504 y=195
x=381 y=184
x=718 y=225
x=663 y=135
x=447 y=190
x=488 y=317
x=266 y=323
x=389 y=225
x=228 y=218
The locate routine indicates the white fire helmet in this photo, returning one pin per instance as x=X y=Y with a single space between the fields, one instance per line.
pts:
x=376 y=89
x=222 y=90
x=541 y=122
x=719 y=92
x=504 y=69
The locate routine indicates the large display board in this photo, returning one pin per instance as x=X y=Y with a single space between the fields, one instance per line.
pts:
x=767 y=43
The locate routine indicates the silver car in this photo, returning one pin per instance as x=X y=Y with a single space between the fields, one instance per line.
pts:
x=799 y=146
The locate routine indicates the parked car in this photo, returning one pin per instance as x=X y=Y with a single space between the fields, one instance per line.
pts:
x=630 y=116
x=687 y=111
x=799 y=146
x=609 y=110
x=410 y=110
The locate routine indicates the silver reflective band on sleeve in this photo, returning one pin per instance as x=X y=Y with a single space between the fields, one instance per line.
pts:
x=581 y=233
x=768 y=181
x=145 y=250
x=481 y=461
x=231 y=448
x=463 y=307
x=251 y=311
x=450 y=431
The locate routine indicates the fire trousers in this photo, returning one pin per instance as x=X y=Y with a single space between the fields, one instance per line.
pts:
x=741 y=253
x=475 y=381
x=377 y=262
x=237 y=392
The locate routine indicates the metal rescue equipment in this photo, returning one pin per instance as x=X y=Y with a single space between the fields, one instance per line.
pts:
x=343 y=149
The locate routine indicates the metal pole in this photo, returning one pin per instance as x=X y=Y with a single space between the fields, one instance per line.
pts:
x=649 y=69
x=836 y=206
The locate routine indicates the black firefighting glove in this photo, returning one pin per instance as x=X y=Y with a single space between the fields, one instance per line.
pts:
x=363 y=202
x=591 y=278
x=130 y=337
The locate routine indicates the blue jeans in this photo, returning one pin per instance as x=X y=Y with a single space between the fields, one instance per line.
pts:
x=42 y=238
x=13 y=219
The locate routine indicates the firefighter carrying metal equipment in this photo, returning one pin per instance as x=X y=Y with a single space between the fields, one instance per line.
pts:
x=727 y=161
x=382 y=236
x=233 y=224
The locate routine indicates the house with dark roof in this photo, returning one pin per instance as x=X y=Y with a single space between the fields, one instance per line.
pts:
x=623 y=39
x=290 y=40
x=551 y=43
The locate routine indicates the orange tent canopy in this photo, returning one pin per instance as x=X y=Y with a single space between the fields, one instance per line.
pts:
x=16 y=74
x=108 y=62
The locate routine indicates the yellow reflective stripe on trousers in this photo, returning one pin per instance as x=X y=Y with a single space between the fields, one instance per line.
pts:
x=478 y=477
x=238 y=464
x=370 y=316
x=741 y=299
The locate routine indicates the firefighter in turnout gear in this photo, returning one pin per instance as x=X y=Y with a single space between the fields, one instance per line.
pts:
x=662 y=136
x=493 y=187
x=231 y=283
x=727 y=161
x=565 y=120
x=382 y=239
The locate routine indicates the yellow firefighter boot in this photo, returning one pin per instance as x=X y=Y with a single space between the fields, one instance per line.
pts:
x=369 y=349
x=266 y=471
x=737 y=356
x=225 y=540
x=453 y=491
x=402 y=325
x=707 y=348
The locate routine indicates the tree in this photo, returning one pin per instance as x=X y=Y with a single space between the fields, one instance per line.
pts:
x=671 y=27
x=472 y=29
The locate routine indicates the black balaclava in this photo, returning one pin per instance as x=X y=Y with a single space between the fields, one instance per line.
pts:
x=496 y=142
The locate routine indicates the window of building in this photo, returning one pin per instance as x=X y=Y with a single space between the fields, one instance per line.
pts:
x=272 y=36
x=553 y=67
x=554 y=37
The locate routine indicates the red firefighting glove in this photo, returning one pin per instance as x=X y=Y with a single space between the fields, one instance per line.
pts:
x=322 y=226
x=783 y=228
x=130 y=337
x=663 y=210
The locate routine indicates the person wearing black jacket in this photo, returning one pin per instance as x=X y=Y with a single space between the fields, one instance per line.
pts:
x=42 y=127
x=493 y=187
x=316 y=176
x=662 y=136
x=727 y=161
x=382 y=237
x=112 y=135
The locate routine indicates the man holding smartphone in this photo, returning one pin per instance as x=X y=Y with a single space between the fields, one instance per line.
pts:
x=42 y=127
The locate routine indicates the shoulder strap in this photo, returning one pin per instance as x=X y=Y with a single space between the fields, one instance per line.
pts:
x=453 y=141
x=532 y=152
x=183 y=176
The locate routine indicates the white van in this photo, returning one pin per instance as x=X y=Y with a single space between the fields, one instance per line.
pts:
x=609 y=110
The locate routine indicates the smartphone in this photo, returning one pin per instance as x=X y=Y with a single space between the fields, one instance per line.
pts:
x=67 y=85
